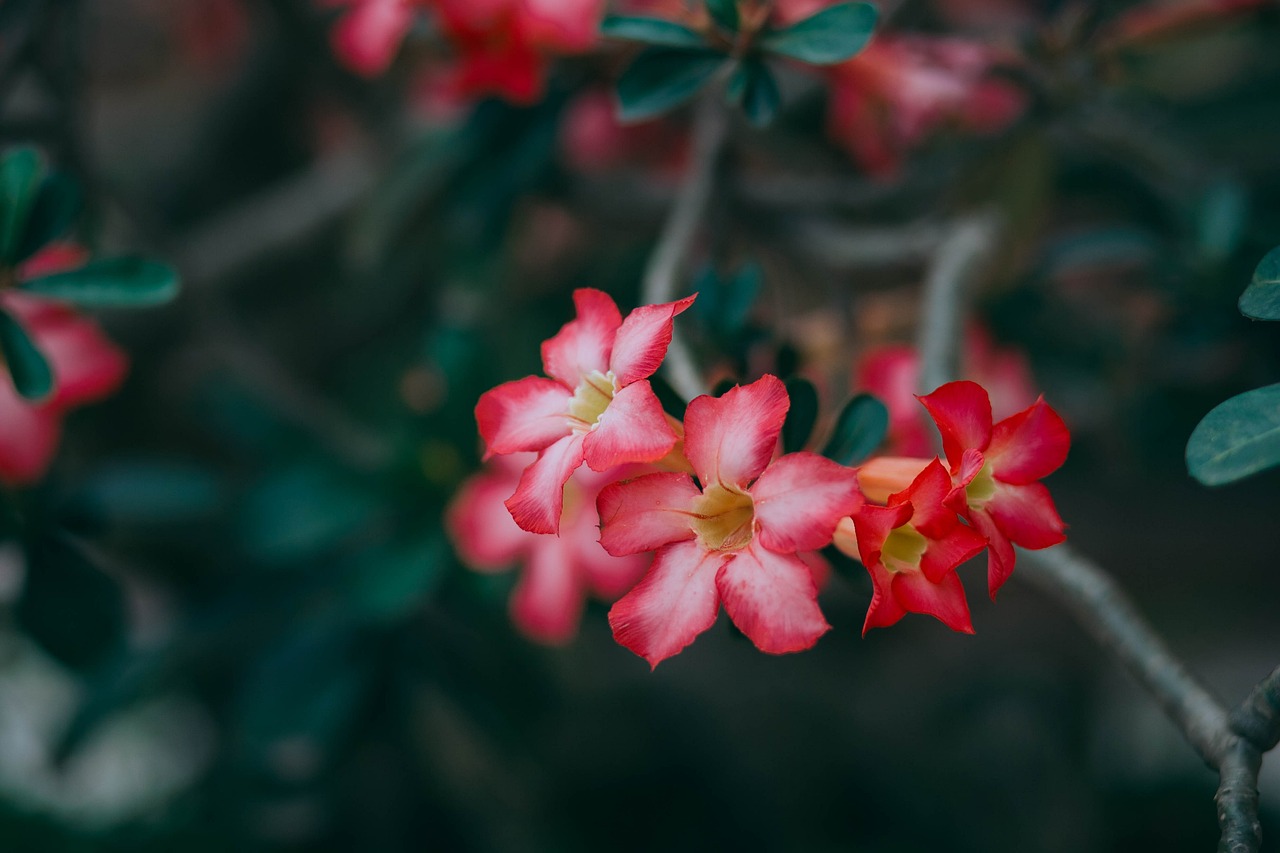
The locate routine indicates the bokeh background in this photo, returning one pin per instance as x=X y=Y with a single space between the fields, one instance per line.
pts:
x=231 y=617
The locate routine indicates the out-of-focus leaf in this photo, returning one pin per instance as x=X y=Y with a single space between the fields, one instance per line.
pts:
x=859 y=430
x=754 y=89
x=30 y=370
x=1222 y=215
x=1261 y=299
x=832 y=35
x=724 y=13
x=802 y=415
x=663 y=78
x=111 y=282
x=147 y=492
x=21 y=171
x=56 y=206
x=1237 y=438
x=302 y=513
x=724 y=305
x=1083 y=252
x=650 y=31
x=390 y=583
x=74 y=611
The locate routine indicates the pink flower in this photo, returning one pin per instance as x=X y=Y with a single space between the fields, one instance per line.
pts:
x=368 y=36
x=86 y=367
x=911 y=548
x=732 y=540
x=559 y=572
x=597 y=407
x=890 y=372
x=996 y=469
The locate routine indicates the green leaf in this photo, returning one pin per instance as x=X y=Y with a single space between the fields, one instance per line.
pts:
x=74 y=611
x=392 y=582
x=859 y=430
x=724 y=13
x=663 y=78
x=650 y=31
x=756 y=91
x=301 y=513
x=1220 y=220
x=21 y=171
x=832 y=35
x=1261 y=299
x=802 y=415
x=30 y=370
x=55 y=208
x=1238 y=438
x=111 y=282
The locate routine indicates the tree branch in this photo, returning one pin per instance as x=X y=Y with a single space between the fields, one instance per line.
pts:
x=662 y=276
x=1257 y=720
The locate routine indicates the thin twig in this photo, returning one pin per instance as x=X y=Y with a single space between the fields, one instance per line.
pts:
x=662 y=276
x=946 y=285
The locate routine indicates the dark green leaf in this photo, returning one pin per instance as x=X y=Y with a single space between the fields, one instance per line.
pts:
x=1261 y=299
x=1238 y=438
x=859 y=430
x=392 y=582
x=112 y=282
x=802 y=415
x=55 y=208
x=21 y=171
x=650 y=31
x=302 y=513
x=74 y=611
x=1221 y=217
x=145 y=492
x=724 y=13
x=754 y=89
x=832 y=35
x=28 y=367
x=663 y=78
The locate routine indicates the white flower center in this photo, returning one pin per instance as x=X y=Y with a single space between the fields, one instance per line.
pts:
x=591 y=398
x=724 y=518
x=902 y=549
x=981 y=488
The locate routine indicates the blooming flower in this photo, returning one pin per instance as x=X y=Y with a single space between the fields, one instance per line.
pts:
x=559 y=572
x=911 y=549
x=732 y=540
x=86 y=367
x=996 y=468
x=597 y=407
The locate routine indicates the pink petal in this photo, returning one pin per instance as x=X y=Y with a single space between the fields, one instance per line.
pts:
x=872 y=525
x=944 y=600
x=819 y=568
x=539 y=499
x=971 y=462
x=730 y=439
x=546 y=604
x=368 y=37
x=947 y=551
x=962 y=412
x=646 y=513
x=673 y=603
x=633 y=428
x=481 y=528
x=885 y=610
x=800 y=498
x=643 y=339
x=1029 y=445
x=928 y=493
x=1026 y=515
x=1000 y=554
x=584 y=344
x=772 y=598
x=28 y=437
x=527 y=414
x=564 y=26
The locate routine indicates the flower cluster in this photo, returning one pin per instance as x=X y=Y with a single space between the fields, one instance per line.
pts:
x=728 y=519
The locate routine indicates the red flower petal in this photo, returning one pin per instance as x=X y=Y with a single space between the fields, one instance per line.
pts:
x=539 y=498
x=885 y=609
x=483 y=531
x=643 y=339
x=1029 y=445
x=962 y=412
x=673 y=603
x=1026 y=515
x=585 y=343
x=928 y=493
x=29 y=441
x=646 y=513
x=944 y=553
x=527 y=414
x=367 y=38
x=872 y=525
x=565 y=26
x=633 y=428
x=546 y=604
x=772 y=598
x=730 y=440
x=1001 y=557
x=800 y=498
x=944 y=600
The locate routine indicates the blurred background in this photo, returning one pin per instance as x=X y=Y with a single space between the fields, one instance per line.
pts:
x=232 y=617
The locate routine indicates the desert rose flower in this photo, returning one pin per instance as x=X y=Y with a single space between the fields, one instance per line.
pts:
x=597 y=407
x=911 y=549
x=732 y=536
x=557 y=573
x=996 y=471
